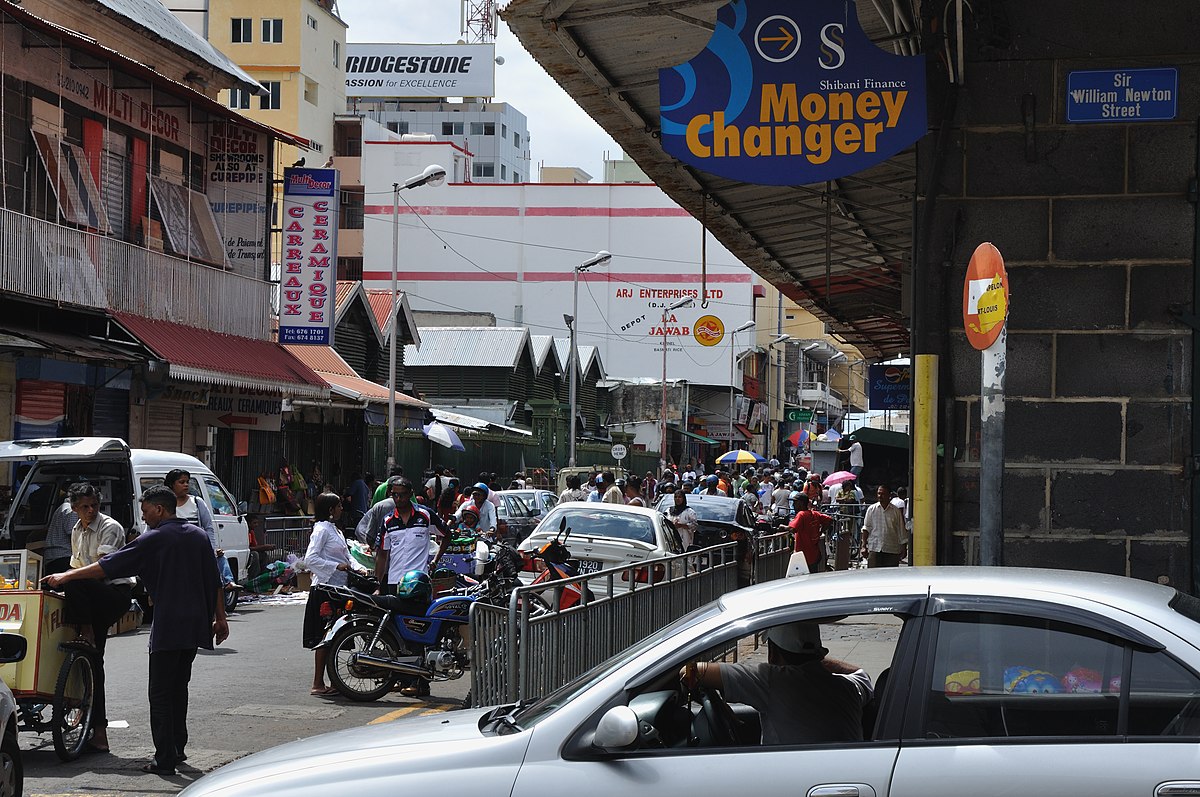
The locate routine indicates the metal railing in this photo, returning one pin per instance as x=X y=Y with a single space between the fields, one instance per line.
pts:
x=286 y=534
x=63 y=265
x=523 y=651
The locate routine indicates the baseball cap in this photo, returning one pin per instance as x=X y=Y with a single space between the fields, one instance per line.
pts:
x=799 y=637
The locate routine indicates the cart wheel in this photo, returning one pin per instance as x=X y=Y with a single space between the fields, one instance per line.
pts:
x=73 y=706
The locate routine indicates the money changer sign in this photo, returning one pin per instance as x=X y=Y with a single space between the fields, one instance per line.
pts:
x=790 y=93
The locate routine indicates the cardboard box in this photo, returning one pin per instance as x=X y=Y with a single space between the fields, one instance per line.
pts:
x=130 y=621
x=303 y=580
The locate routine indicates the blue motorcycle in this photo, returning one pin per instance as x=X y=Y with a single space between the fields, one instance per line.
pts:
x=379 y=638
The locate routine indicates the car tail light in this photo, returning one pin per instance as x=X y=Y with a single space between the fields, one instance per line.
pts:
x=642 y=574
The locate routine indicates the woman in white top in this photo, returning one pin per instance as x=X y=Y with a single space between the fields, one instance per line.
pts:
x=685 y=520
x=197 y=512
x=328 y=559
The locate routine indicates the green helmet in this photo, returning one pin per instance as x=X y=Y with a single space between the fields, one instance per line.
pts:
x=415 y=584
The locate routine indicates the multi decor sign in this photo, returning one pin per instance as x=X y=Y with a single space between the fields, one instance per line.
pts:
x=789 y=94
x=420 y=70
x=306 y=284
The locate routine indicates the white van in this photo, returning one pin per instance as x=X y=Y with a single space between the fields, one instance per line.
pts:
x=121 y=474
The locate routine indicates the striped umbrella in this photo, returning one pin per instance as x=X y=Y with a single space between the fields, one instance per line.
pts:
x=798 y=438
x=740 y=456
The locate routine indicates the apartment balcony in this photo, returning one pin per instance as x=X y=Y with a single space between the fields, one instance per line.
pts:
x=48 y=261
x=821 y=396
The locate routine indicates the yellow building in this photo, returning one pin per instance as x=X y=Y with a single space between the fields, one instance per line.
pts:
x=296 y=50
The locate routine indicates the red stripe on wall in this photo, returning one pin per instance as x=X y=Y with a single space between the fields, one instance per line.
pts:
x=571 y=212
x=548 y=276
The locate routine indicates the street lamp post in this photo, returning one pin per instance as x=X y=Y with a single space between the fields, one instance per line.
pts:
x=732 y=346
x=433 y=175
x=662 y=421
x=599 y=259
x=770 y=404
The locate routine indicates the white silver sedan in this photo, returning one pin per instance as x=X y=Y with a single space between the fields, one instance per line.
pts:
x=987 y=682
x=607 y=535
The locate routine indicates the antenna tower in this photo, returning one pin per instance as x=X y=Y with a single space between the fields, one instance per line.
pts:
x=480 y=19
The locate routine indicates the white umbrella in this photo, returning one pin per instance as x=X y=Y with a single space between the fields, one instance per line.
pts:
x=444 y=436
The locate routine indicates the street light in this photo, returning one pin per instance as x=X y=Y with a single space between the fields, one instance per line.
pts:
x=601 y=258
x=433 y=175
x=662 y=441
x=732 y=346
x=770 y=404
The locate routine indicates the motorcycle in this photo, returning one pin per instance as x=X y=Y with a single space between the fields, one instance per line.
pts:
x=380 y=638
x=556 y=566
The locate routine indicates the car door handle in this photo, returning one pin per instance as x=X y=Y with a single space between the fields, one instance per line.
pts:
x=1179 y=788
x=841 y=790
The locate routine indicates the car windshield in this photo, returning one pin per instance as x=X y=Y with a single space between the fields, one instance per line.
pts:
x=537 y=711
x=724 y=511
x=601 y=522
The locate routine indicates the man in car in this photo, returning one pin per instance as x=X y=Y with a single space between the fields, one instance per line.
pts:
x=801 y=696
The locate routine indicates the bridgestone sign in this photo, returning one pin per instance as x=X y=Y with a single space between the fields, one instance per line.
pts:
x=420 y=70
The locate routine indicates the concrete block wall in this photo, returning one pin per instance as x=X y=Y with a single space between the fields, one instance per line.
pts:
x=1097 y=233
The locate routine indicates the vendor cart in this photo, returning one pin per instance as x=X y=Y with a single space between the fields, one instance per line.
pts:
x=55 y=683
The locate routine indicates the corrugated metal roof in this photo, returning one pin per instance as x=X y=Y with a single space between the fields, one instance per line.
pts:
x=542 y=346
x=586 y=355
x=482 y=347
x=224 y=359
x=156 y=18
x=342 y=379
x=381 y=306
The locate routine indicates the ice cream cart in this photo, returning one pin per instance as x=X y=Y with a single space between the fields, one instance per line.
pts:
x=56 y=677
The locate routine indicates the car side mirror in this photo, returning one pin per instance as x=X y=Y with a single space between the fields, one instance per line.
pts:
x=618 y=730
x=12 y=648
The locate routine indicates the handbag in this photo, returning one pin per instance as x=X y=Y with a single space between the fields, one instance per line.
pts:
x=266 y=495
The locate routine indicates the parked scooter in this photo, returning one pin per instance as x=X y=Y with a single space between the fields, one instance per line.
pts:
x=555 y=565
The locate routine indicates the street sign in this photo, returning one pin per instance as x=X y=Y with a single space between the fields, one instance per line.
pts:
x=242 y=408
x=985 y=296
x=799 y=415
x=1123 y=95
x=619 y=452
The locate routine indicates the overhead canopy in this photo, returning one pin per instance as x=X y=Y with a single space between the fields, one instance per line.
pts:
x=837 y=250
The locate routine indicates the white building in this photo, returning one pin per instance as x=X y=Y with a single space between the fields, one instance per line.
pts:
x=495 y=133
x=511 y=250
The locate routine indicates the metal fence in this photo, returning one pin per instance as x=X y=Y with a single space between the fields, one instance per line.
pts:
x=285 y=535
x=519 y=653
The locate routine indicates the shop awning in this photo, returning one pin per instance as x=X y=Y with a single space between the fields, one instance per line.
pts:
x=695 y=436
x=62 y=343
x=201 y=355
x=343 y=381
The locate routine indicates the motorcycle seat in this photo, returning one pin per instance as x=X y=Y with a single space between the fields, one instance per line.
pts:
x=394 y=603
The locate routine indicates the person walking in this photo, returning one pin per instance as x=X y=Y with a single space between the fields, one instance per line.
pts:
x=684 y=518
x=178 y=567
x=884 y=542
x=572 y=491
x=195 y=511
x=633 y=492
x=807 y=525
x=609 y=490
x=328 y=559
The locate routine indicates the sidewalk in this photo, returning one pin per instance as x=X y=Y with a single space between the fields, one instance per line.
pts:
x=865 y=642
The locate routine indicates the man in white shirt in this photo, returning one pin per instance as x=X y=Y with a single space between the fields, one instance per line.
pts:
x=884 y=541
x=856 y=456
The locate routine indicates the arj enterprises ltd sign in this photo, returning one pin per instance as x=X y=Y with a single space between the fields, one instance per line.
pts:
x=420 y=70
x=790 y=93
x=306 y=284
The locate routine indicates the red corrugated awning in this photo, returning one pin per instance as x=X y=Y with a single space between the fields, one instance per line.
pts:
x=200 y=355
x=745 y=430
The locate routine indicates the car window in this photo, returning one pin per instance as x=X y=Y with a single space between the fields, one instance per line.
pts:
x=153 y=481
x=674 y=541
x=549 y=500
x=517 y=507
x=606 y=523
x=219 y=500
x=776 y=698
x=1164 y=697
x=998 y=675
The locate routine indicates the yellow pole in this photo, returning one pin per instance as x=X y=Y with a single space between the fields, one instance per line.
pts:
x=924 y=506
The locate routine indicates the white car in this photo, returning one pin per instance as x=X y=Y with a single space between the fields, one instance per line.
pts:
x=607 y=535
x=12 y=771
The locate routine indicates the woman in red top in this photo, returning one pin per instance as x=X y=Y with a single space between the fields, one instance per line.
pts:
x=806 y=527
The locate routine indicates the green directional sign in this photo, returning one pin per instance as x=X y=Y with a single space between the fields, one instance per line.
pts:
x=799 y=415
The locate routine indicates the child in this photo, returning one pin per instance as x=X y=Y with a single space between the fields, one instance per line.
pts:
x=460 y=552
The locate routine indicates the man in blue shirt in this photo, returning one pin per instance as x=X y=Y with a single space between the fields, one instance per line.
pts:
x=179 y=569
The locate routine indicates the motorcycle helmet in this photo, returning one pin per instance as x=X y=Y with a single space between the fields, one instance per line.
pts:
x=711 y=481
x=415 y=585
